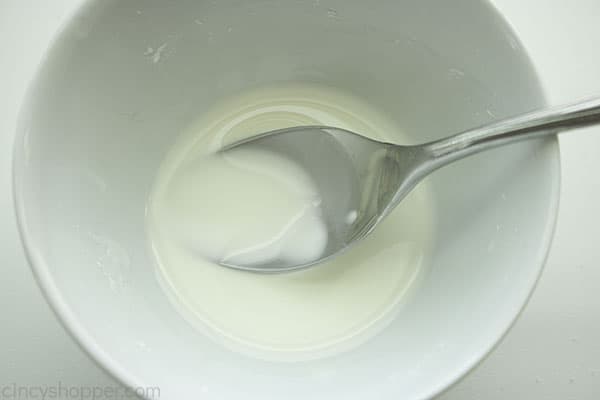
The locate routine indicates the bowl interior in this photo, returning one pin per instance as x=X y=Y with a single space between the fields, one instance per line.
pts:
x=124 y=78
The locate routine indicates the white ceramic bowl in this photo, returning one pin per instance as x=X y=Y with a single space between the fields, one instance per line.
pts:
x=124 y=77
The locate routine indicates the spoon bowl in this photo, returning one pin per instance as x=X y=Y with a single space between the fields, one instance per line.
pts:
x=357 y=179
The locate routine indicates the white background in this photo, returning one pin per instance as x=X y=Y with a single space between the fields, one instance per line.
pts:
x=553 y=351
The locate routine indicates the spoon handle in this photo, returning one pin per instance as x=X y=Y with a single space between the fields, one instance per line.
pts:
x=549 y=121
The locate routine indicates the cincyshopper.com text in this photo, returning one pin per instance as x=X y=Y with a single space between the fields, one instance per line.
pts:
x=60 y=391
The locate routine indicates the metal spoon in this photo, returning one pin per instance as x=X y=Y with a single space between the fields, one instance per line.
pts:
x=361 y=180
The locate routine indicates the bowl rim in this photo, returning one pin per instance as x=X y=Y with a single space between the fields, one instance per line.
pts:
x=85 y=339
x=545 y=242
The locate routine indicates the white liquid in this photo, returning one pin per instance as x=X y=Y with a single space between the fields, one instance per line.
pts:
x=252 y=208
x=279 y=218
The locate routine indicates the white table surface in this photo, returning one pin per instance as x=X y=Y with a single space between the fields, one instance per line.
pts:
x=553 y=351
